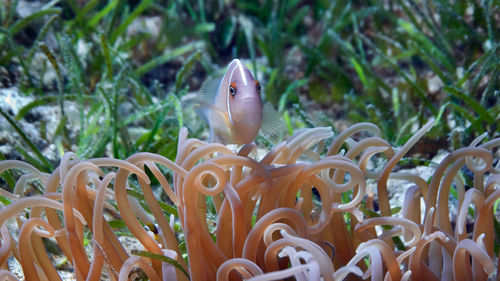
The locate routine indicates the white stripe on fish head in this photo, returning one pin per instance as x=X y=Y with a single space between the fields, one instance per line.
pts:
x=239 y=65
x=242 y=72
x=224 y=85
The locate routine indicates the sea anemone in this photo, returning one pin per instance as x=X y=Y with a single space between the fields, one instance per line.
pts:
x=296 y=212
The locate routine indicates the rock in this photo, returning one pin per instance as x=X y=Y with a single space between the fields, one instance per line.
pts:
x=43 y=116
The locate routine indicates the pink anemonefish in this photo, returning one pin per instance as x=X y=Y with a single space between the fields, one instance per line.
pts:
x=233 y=108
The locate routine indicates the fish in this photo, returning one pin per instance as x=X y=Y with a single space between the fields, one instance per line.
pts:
x=233 y=108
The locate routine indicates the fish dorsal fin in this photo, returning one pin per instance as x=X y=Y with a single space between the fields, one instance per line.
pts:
x=273 y=125
x=209 y=90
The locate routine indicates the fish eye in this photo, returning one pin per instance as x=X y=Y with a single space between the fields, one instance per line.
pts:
x=232 y=89
x=257 y=86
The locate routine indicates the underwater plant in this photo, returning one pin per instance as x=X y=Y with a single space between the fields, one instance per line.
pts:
x=297 y=212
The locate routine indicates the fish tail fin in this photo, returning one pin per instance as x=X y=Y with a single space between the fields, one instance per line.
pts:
x=273 y=125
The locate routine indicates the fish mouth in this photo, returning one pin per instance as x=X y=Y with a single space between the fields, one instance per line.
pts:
x=251 y=115
x=250 y=99
x=251 y=102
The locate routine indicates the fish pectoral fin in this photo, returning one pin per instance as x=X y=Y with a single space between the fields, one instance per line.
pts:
x=209 y=90
x=210 y=107
x=204 y=108
x=218 y=123
x=203 y=102
x=273 y=125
